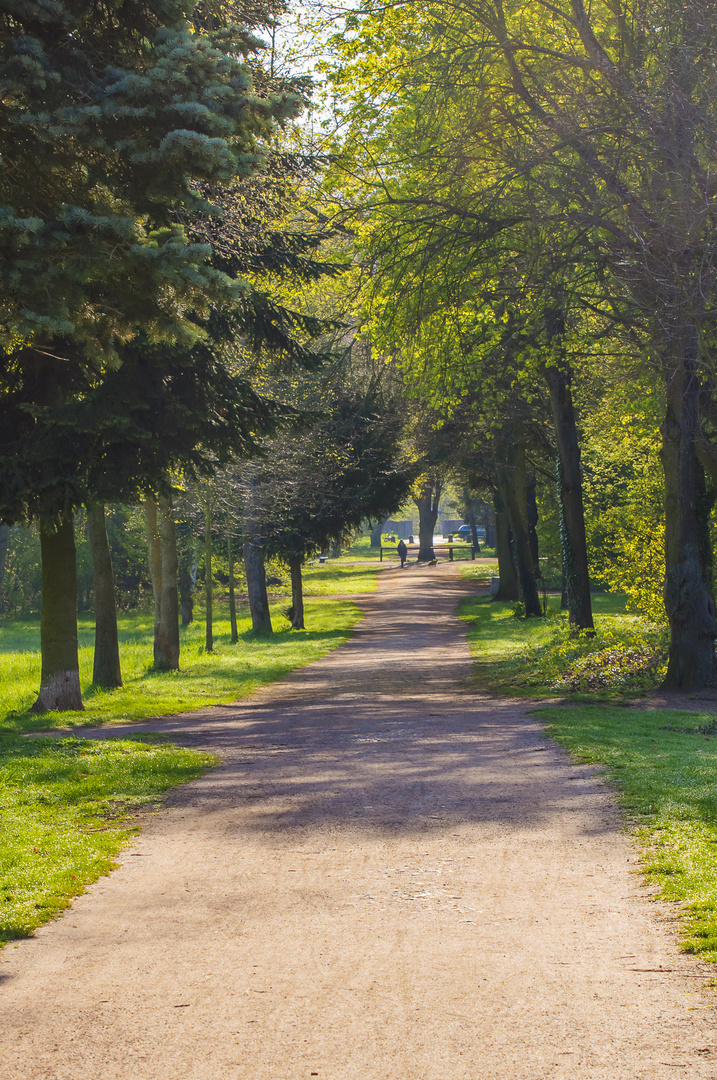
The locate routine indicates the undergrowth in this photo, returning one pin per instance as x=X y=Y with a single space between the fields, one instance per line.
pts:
x=544 y=657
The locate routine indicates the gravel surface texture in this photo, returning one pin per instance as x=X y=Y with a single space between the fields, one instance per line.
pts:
x=390 y=877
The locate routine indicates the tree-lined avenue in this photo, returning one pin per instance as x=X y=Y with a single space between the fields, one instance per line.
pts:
x=389 y=875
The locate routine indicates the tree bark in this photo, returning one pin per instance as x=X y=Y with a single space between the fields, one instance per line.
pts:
x=187 y=579
x=471 y=515
x=232 y=593
x=507 y=578
x=4 y=542
x=166 y=642
x=427 y=502
x=297 y=593
x=532 y=508
x=511 y=472
x=689 y=597
x=106 y=668
x=154 y=555
x=208 y=582
x=256 y=587
x=60 y=677
x=570 y=485
x=254 y=563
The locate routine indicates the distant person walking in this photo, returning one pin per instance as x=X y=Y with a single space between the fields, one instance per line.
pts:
x=402 y=552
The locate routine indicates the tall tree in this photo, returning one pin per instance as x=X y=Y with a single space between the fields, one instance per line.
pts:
x=106 y=669
x=598 y=125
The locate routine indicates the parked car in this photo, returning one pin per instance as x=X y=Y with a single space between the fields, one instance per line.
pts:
x=465 y=533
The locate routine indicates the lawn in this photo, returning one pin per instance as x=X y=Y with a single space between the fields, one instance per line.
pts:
x=67 y=804
x=663 y=765
x=67 y=808
x=228 y=673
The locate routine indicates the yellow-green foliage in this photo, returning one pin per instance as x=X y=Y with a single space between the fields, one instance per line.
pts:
x=624 y=498
x=639 y=567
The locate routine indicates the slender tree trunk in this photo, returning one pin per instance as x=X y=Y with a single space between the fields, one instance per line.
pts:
x=208 y=582
x=106 y=669
x=471 y=516
x=186 y=580
x=256 y=587
x=427 y=502
x=689 y=597
x=4 y=542
x=232 y=593
x=508 y=579
x=297 y=593
x=570 y=485
x=511 y=471
x=166 y=642
x=532 y=507
x=154 y=553
x=60 y=678
x=254 y=564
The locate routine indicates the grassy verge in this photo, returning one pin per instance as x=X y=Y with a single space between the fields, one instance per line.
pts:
x=541 y=658
x=67 y=804
x=66 y=807
x=228 y=673
x=480 y=571
x=663 y=764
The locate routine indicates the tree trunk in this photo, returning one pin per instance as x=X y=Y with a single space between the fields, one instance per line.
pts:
x=511 y=472
x=208 y=582
x=106 y=669
x=532 y=508
x=232 y=593
x=507 y=578
x=297 y=593
x=570 y=485
x=256 y=587
x=187 y=580
x=166 y=642
x=376 y=533
x=427 y=502
x=254 y=563
x=154 y=553
x=4 y=542
x=470 y=518
x=60 y=678
x=689 y=598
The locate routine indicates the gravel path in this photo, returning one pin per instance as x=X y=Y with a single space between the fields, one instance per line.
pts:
x=389 y=878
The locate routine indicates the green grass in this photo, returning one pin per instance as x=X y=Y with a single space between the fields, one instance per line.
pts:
x=663 y=767
x=334 y=578
x=481 y=571
x=542 y=658
x=67 y=809
x=227 y=674
x=665 y=772
x=66 y=804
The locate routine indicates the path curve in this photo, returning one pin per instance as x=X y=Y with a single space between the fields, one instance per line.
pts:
x=390 y=877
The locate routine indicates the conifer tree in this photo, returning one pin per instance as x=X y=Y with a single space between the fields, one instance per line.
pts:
x=114 y=123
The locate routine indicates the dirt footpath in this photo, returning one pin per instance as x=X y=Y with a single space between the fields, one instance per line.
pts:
x=389 y=878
